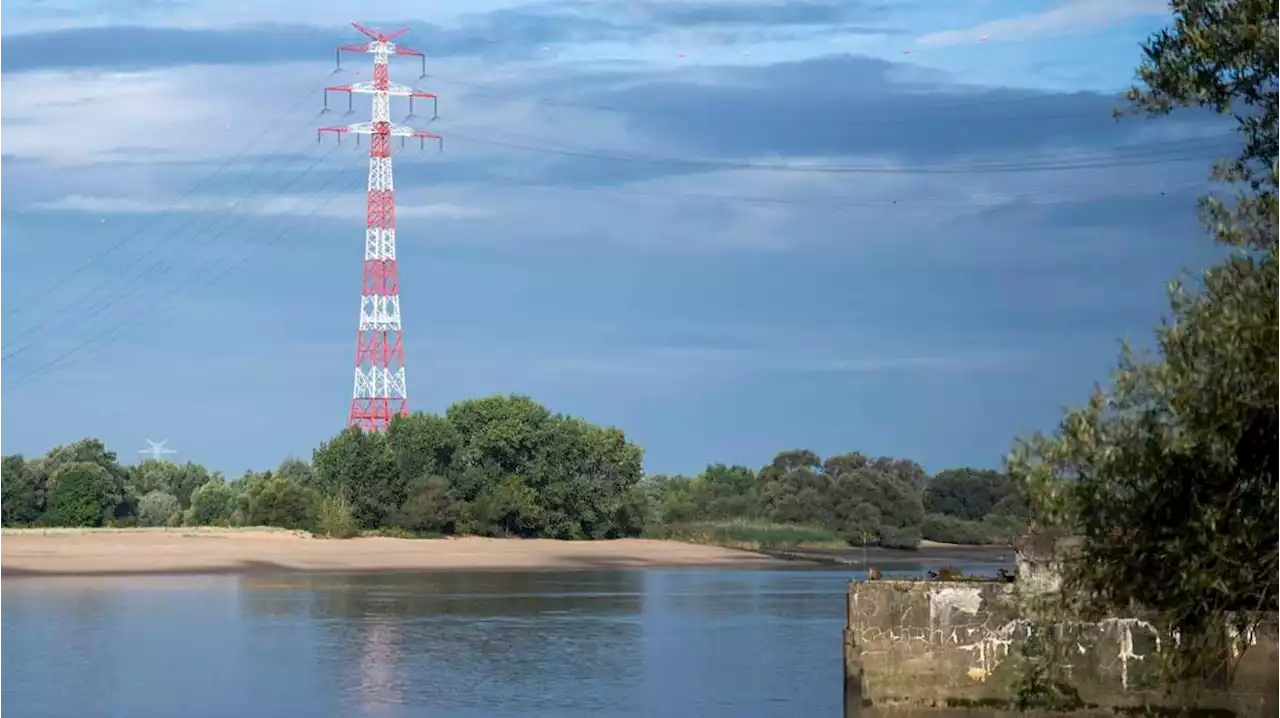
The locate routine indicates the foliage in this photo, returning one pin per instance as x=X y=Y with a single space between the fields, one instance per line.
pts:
x=274 y=500
x=1221 y=55
x=334 y=518
x=952 y=529
x=178 y=480
x=1169 y=475
x=506 y=466
x=22 y=495
x=966 y=493
x=158 y=508
x=429 y=508
x=747 y=533
x=360 y=467
x=212 y=504
x=83 y=494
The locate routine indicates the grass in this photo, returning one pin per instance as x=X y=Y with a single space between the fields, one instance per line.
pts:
x=747 y=534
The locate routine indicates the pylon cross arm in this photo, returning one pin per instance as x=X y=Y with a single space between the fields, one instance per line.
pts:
x=370 y=128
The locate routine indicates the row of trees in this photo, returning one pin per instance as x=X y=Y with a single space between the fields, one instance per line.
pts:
x=493 y=466
x=864 y=500
x=505 y=466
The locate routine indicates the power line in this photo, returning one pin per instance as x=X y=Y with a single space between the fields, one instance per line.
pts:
x=978 y=103
x=156 y=266
x=126 y=238
x=1152 y=157
x=193 y=226
x=163 y=306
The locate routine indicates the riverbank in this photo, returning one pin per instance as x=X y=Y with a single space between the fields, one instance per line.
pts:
x=86 y=552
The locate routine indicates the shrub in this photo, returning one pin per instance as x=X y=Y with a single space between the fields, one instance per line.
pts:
x=900 y=537
x=212 y=504
x=949 y=529
x=157 y=508
x=334 y=518
x=429 y=508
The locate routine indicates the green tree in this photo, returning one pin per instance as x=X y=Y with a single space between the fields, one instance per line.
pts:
x=297 y=470
x=91 y=451
x=429 y=508
x=423 y=445
x=359 y=466
x=966 y=493
x=508 y=508
x=158 y=508
x=84 y=494
x=280 y=501
x=1169 y=475
x=178 y=480
x=212 y=504
x=1220 y=55
x=22 y=496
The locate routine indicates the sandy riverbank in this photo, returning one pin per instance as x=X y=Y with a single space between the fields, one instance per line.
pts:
x=73 y=552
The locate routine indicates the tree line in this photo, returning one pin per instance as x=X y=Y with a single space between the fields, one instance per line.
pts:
x=507 y=466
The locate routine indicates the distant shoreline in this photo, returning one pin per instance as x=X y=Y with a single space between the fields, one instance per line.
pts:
x=928 y=553
x=30 y=553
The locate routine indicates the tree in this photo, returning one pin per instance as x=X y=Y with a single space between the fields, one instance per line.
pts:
x=966 y=493
x=429 y=507
x=212 y=504
x=22 y=496
x=1221 y=55
x=280 y=501
x=178 y=480
x=83 y=494
x=297 y=470
x=508 y=508
x=90 y=451
x=1169 y=475
x=157 y=508
x=359 y=465
x=422 y=444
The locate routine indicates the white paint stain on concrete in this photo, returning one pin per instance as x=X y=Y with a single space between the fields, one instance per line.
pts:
x=942 y=601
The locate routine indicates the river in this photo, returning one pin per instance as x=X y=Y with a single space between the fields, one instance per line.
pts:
x=665 y=643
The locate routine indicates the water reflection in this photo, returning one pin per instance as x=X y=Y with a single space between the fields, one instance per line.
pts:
x=605 y=643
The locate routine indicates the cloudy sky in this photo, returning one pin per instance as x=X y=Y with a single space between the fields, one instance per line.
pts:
x=729 y=227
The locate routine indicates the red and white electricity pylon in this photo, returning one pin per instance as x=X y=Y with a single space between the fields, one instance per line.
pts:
x=380 y=390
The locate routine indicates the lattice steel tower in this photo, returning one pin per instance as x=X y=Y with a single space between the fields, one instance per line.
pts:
x=380 y=390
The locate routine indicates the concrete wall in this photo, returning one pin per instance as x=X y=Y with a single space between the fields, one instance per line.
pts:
x=936 y=643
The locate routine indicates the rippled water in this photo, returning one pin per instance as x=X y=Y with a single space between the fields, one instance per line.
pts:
x=612 y=643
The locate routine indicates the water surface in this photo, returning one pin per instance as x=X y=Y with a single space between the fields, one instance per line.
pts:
x=662 y=643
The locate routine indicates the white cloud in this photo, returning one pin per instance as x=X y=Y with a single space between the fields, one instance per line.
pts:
x=184 y=114
x=1068 y=16
x=60 y=14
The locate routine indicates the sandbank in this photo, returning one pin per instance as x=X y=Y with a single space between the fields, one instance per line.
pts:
x=90 y=552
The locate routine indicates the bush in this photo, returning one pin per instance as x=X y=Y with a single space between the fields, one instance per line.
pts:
x=158 y=508
x=212 y=504
x=429 y=509
x=900 y=537
x=742 y=531
x=282 y=502
x=334 y=518
x=949 y=529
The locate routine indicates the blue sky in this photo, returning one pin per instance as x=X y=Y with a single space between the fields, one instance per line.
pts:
x=950 y=238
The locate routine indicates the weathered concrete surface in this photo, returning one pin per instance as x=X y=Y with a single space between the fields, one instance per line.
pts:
x=918 y=644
